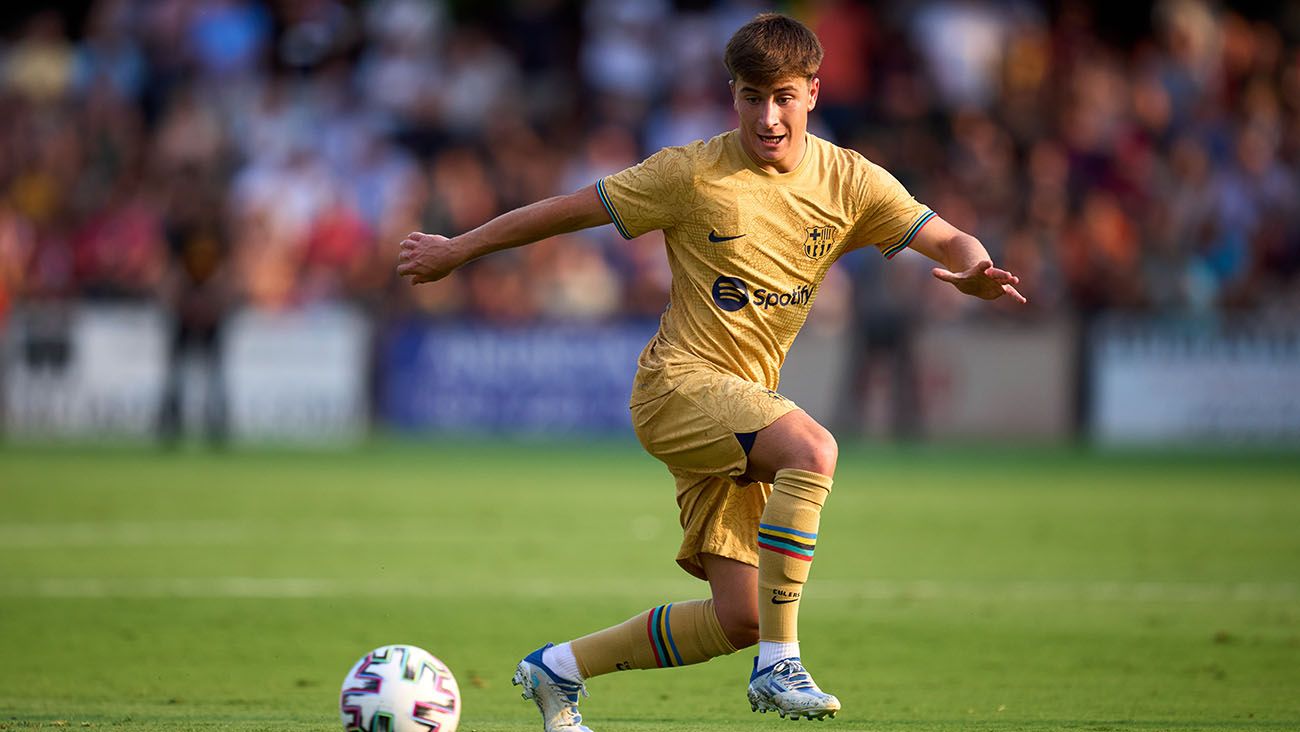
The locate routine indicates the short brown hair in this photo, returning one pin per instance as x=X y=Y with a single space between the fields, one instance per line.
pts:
x=772 y=47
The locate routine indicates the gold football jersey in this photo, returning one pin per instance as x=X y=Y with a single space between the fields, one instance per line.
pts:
x=748 y=248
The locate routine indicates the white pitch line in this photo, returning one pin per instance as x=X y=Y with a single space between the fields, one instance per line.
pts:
x=215 y=532
x=829 y=590
x=125 y=533
x=1053 y=590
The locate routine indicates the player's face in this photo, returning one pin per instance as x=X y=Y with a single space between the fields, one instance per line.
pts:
x=773 y=120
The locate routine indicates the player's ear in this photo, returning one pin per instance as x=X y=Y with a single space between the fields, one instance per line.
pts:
x=814 y=86
x=731 y=88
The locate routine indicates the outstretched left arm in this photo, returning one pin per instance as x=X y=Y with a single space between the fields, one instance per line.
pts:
x=966 y=263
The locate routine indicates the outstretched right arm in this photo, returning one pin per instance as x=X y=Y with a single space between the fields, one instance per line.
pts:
x=430 y=257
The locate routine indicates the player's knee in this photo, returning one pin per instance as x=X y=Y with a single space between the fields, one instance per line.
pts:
x=741 y=629
x=818 y=451
x=794 y=441
x=738 y=619
x=827 y=454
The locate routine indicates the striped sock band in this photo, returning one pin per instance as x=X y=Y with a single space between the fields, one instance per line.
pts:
x=660 y=632
x=790 y=542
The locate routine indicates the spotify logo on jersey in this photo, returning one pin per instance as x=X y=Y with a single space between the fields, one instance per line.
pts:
x=732 y=294
x=729 y=293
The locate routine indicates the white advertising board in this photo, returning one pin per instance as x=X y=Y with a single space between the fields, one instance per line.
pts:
x=83 y=371
x=1153 y=384
x=297 y=376
x=994 y=381
x=99 y=372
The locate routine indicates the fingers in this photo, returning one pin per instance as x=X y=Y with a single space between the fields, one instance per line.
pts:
x=414 y=239
x=407 y=269
x=1008 y=282
x=942 y=274
x=406 y=263
x=1001 y=276
x=407 y=266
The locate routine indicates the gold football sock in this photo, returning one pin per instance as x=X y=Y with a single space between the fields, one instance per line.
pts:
x=787 y=535
x=675 y=634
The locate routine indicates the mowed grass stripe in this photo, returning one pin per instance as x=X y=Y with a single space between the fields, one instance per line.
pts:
x=200 y=532
x=610 y=587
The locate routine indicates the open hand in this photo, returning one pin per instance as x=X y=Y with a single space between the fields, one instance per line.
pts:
x=427 y=257
x=983 y=280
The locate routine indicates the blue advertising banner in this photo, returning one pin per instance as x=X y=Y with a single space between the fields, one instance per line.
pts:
x=552 y=379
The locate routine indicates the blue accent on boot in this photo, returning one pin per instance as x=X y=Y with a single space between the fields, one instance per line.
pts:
x=760 y=671
x=570 y=688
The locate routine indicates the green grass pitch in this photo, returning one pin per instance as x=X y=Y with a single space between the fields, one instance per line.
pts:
x=954 y=589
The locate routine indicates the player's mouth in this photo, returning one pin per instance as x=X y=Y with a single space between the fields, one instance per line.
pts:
x=771 y=142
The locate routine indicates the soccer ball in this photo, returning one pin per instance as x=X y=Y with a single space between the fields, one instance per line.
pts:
x=399 y=689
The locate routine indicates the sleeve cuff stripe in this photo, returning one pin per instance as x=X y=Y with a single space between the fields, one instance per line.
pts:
x=613 y=214
x=909 y=236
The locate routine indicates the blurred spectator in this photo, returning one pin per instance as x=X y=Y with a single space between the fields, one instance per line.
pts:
x=41 y=64
x=847 y=32
x=621 y=54
x=963 y=42
x=119 y=250
x=227 y=38
x=109 y=58
x=881 y=360
x=198 y=290
x=480 y=78
x=17 y=245
x=577 y=284
x=691 y=113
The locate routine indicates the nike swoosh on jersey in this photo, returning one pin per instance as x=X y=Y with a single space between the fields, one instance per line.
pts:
x=713 y=237
x=788 y=600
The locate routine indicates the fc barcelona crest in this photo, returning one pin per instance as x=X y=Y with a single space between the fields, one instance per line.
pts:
x=820 y=240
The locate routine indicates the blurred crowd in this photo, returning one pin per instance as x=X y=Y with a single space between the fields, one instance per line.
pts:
x=212 y=154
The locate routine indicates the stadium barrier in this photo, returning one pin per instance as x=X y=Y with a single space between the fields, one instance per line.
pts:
x=299 y=376
x=540 y=380
x=991 y=380
x=96 y=371
x=1194 y=381
x=84 y=371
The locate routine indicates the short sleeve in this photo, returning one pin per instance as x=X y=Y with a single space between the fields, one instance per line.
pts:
x=891 y=216
x=650 y=195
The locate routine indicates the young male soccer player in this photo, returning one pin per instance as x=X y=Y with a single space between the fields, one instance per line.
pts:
x=753 y=219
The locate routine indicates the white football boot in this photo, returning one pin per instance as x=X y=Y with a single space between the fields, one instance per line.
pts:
x=556 y=697
x=786 y=687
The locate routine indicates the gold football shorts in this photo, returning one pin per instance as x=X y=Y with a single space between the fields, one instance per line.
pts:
x=701 y=425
